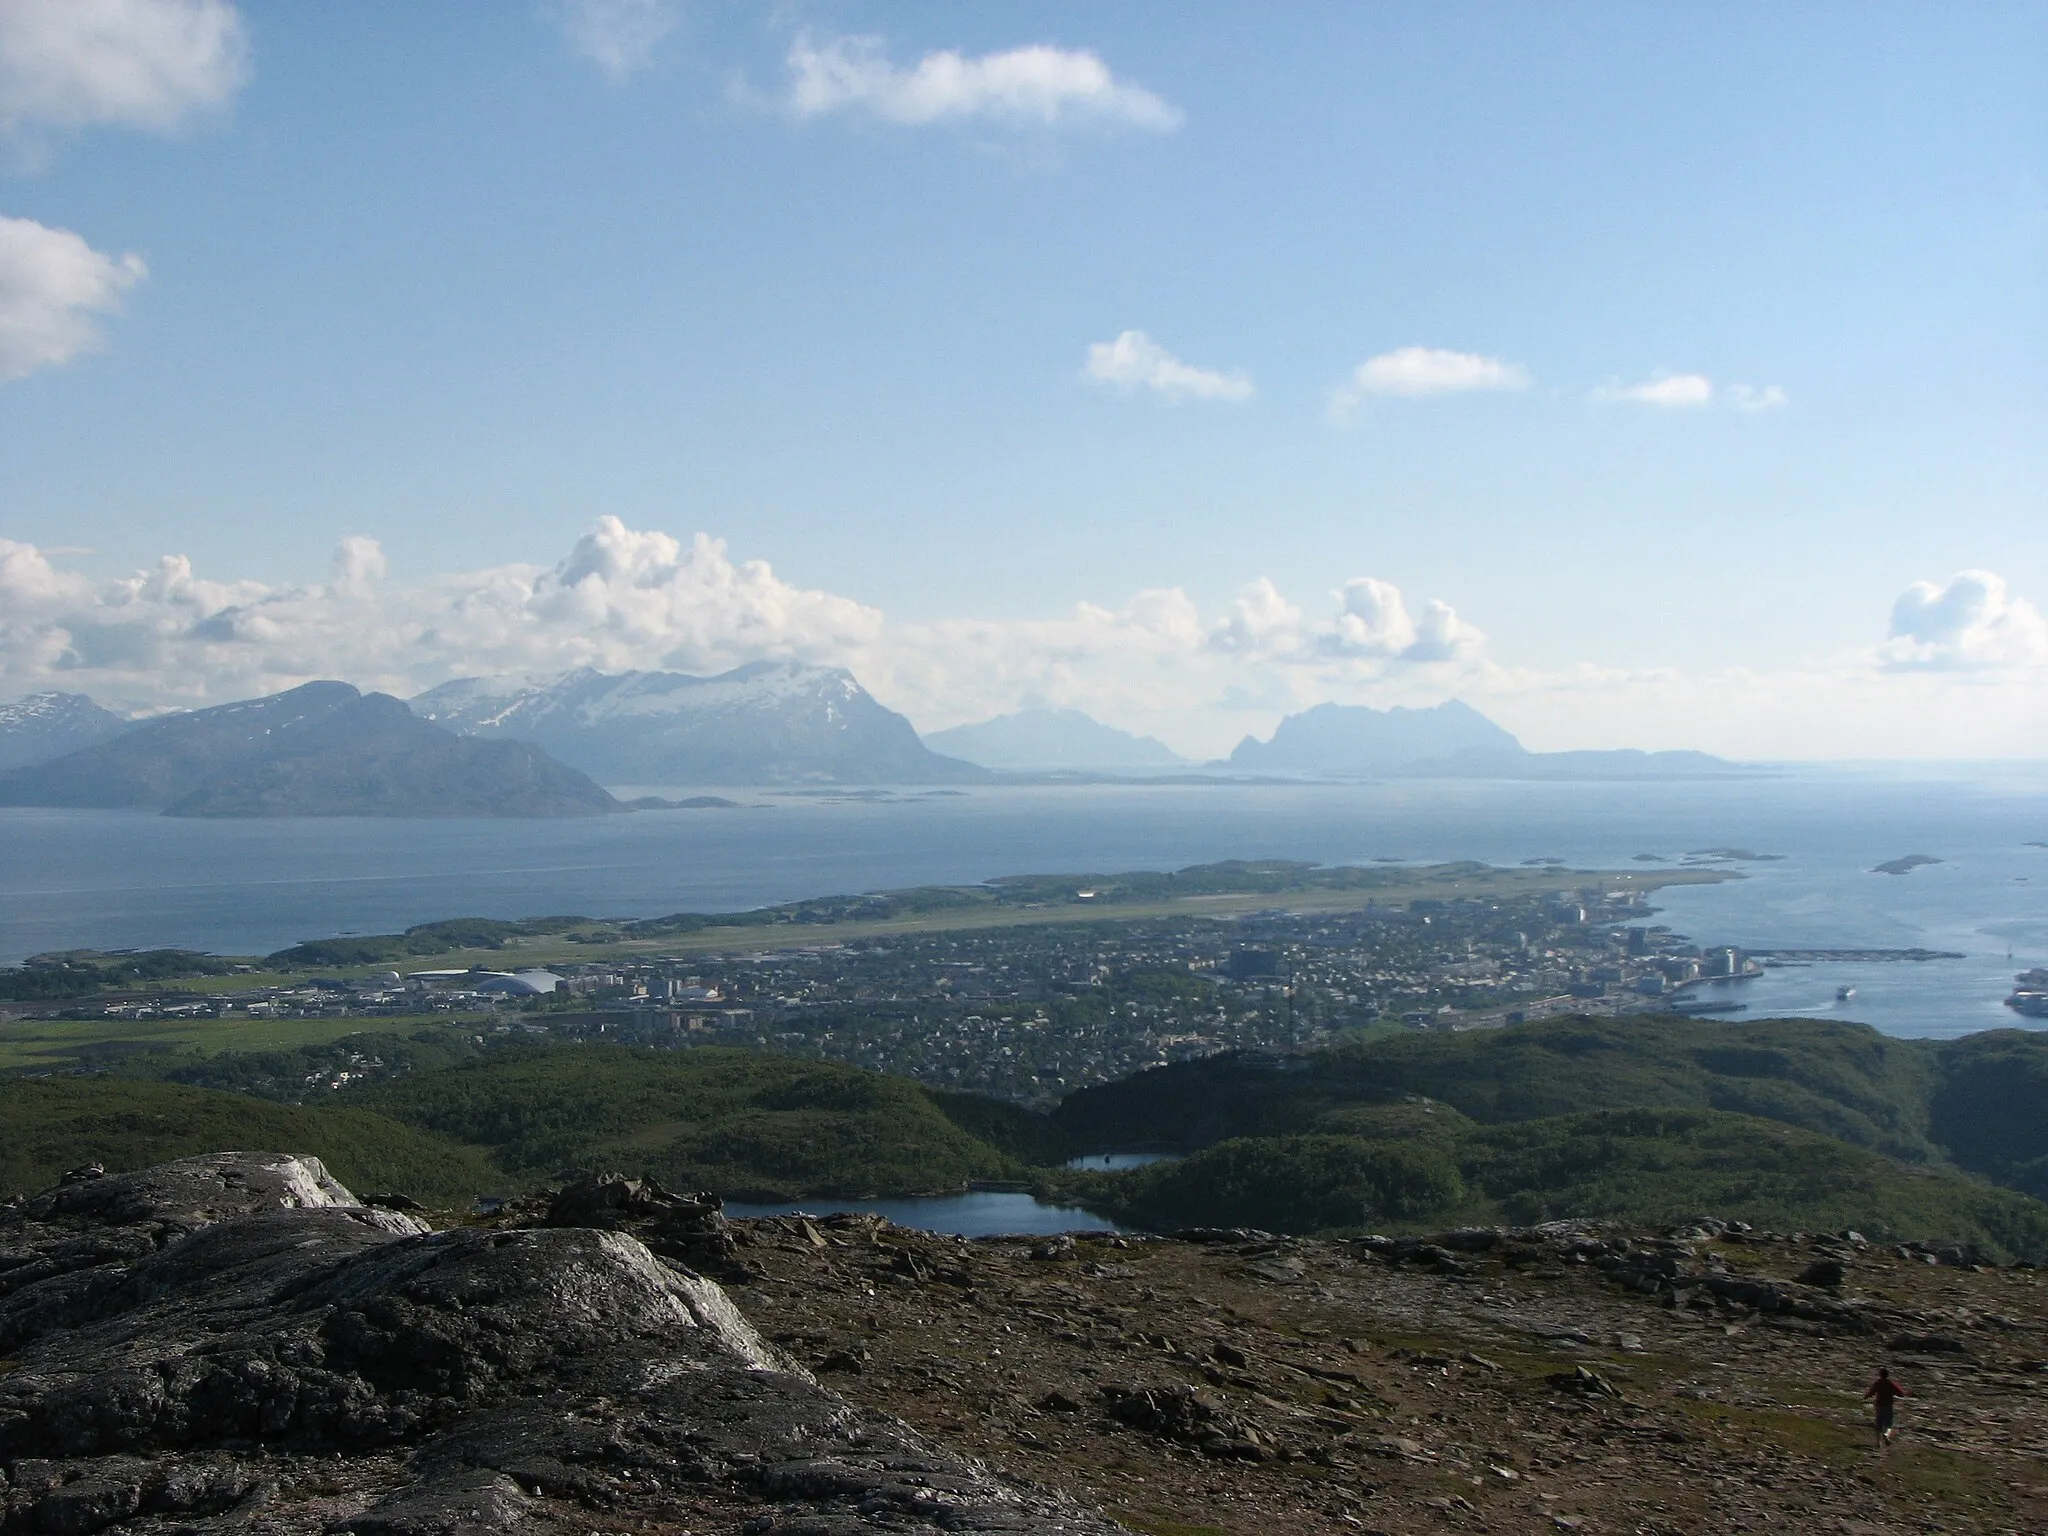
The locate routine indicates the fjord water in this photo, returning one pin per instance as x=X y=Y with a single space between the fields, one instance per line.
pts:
x=104 y=879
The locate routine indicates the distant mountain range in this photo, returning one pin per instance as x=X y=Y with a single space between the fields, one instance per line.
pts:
x=47 y=725
x=538 y=747
x=772 y=722
x=322 y=749
x=1051 y=739
x=1450 y=740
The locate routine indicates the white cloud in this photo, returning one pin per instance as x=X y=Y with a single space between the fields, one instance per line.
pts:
x=620 y=598
x=1671 y=391
x=1261 y=623
x=1965 y=674
x=1373 y=621
x=623 y=598
x=1036 y=84
x=619 y=36
x=52 y=286
x=1372 y=624
x=1135 y=361
x=1690 y=391
x=1970 y=622
x=68 y=64
x=1416 y=372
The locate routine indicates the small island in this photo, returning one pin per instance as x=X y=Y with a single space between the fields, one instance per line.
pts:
x=1905 y=866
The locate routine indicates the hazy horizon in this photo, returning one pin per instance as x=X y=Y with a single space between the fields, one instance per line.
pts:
x=1641 y=377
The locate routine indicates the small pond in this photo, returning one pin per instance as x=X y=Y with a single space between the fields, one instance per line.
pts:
x=982 y=1214
x=1118 y=1162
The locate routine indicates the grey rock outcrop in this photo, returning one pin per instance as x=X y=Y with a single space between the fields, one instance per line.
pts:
x=234 y=1343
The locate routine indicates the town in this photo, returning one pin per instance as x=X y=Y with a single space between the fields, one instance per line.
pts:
x=1031 y=1013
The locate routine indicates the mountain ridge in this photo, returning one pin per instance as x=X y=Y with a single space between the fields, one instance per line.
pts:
x=1447 y=740
x=1036 y=738
x=40 y=726
x=769 y=722
x=321 y=749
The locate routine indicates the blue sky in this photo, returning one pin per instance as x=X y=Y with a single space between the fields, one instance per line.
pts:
x=1756 y=292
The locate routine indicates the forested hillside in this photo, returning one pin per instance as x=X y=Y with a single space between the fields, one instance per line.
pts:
x=1796 y=1125
x=747 y=1124
x=1418 y=1167
x=1980 y=1103
x=51 y=1125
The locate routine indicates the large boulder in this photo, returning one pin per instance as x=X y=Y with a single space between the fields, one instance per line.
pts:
x=236 y=1340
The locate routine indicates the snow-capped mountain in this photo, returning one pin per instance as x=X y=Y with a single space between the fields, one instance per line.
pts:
x=771 y=722
x=321 y=749
x=47 y=725
x=1052 y=739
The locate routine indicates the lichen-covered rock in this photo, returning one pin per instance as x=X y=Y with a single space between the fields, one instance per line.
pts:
x=237 y=1340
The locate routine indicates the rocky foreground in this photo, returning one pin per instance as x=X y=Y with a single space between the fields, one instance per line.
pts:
x=1572 y=1378
x=236 y=1344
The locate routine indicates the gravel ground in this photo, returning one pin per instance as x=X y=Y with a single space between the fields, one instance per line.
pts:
x=1561 y=1379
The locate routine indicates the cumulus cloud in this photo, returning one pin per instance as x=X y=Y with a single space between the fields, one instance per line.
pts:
x=1690 y=391
x=1416 y=372
x=1260 y=623
x=623 y=598
x=53 y=286
x=620 y=598
x=1373 y=620
x=1965 y=673
x=1135 y=361
x=619 y=36
x=69 y=64
x=1970 y=622
x=1038 y=84
x=1671 y=391
x=1372 y=623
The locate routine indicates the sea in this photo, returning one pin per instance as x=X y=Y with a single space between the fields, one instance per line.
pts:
x=122 y=880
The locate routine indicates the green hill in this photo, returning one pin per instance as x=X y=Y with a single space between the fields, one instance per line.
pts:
x=49 y=1125
x=1785 y=1123
x=1989 y=1109
x=744 y=1123
x=1650 y=1166
x=1980 y=1103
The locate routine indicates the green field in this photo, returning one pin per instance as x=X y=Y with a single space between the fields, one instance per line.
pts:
x=30 y=1044
x=948 y=909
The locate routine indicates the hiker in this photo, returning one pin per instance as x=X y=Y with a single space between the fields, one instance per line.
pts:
x=1885 y=1392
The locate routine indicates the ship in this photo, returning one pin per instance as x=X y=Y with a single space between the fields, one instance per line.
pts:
x=2030 y=993
x=1843 y=994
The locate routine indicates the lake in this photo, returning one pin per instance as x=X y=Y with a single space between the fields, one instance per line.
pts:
x=107 y=879
x=971 y=1215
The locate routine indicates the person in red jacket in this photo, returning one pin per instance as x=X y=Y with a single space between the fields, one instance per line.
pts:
x=1884 y=1392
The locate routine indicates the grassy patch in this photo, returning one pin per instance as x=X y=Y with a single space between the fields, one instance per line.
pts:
x=42 y=1044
